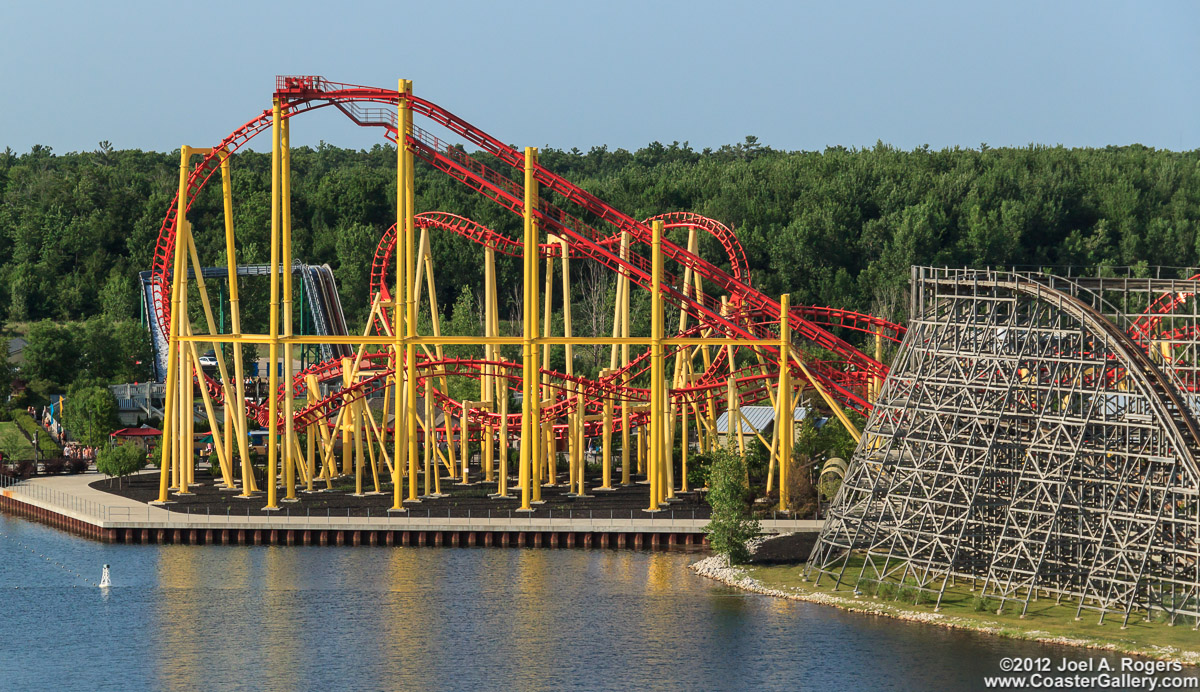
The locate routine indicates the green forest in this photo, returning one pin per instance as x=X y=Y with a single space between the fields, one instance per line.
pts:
x=835 y=227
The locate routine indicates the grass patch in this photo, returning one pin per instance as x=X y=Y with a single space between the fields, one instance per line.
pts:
x=23 y=448
x=1044 y=617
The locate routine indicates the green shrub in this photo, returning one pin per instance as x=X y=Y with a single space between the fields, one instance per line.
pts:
x=982 y=604
x=120 y=461
x=731 y=524
x=698 y=466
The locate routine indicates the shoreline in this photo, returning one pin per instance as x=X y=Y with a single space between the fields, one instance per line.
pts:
x=717 y=568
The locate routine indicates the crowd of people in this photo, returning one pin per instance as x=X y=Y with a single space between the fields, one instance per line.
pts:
x=74 y=450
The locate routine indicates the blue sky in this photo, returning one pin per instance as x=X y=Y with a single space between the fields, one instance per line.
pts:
x=799 y=75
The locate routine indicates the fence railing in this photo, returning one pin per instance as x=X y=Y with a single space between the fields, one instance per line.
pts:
x=414 y=517
x=54 y=497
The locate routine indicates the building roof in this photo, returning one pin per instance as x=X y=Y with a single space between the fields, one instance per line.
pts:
x=756 y=419
x=137 y=432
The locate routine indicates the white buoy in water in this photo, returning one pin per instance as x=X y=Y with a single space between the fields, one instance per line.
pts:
x=104 y=580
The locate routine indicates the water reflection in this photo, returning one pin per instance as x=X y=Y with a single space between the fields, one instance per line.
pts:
x=284 y=618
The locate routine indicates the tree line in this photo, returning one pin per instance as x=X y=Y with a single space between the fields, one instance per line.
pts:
x=836 y=227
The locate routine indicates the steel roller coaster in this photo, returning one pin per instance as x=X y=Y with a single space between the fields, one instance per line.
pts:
x=725 y=355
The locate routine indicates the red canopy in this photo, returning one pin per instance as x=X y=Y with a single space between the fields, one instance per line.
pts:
x=137 y=432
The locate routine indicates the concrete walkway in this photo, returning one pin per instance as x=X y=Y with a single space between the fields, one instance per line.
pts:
x=71 y=496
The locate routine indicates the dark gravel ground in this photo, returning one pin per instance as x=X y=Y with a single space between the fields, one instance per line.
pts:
x=463 y=500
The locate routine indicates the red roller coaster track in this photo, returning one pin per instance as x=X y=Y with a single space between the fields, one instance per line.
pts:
x=750 y=314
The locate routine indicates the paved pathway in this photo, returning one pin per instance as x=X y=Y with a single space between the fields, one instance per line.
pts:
x=72 y=496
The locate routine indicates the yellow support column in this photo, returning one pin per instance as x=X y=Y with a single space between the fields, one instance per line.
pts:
x=178 y=285
x=549 y=461
x=347 y=425
x=606 y=427
x=487 y=383
x=430 y=437
x=657 y=414
x=668 y=467
x=683 y=462
x=310 y=435
x=530 y=411
x=784 y=426
x=451 y=445
x=623 y=284
x=351 y=439
x=185 y=453
x=580 y=443
x=227 y=427
x=403 y=285
x=502 y=481
x=188 y=409
x=285 y=202
x=273 y=358
x=410 y=302
x=464 y=438
x=551 y=477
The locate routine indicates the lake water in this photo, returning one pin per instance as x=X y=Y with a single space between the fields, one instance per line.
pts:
x=374 y=618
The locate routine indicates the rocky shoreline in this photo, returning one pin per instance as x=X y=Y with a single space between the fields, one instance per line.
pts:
x=717 y=568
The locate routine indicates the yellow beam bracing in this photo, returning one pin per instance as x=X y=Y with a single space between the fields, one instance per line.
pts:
x=210 y=411
x=238 y=414
x=326 y=441
x=227 y=391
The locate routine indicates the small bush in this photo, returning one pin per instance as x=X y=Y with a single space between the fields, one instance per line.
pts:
x=731 y=525
x=120 y=461
x=886 y=589
x=982 y=604
x=76 y=466
x=24 y=469
x=53 y=467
